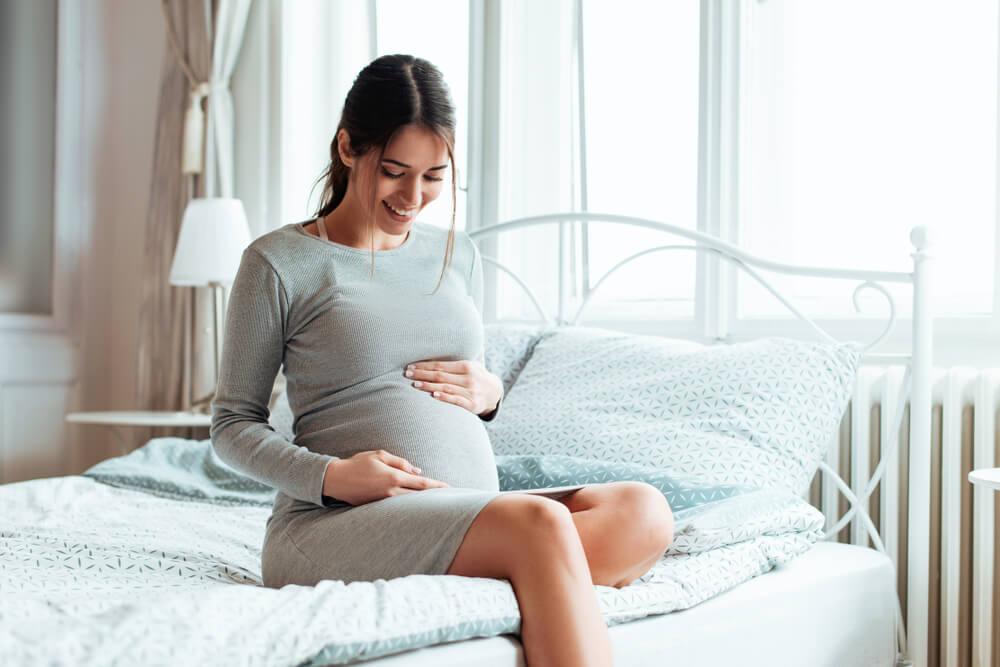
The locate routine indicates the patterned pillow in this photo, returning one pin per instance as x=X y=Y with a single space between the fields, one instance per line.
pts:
x=281 y=418
x=507 y=349
x=758 y=414
x=183 y=470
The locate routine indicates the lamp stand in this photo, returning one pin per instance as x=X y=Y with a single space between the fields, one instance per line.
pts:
x=203 y=405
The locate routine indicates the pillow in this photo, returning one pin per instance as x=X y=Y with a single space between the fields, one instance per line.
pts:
x=183 y=470
x=281 y=418
x=507 y=349
x=757 y=414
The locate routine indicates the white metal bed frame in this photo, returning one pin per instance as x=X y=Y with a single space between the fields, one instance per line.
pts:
x=917 y=379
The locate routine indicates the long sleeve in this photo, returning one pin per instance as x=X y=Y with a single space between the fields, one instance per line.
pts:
x=252 y=354
x=476 y=290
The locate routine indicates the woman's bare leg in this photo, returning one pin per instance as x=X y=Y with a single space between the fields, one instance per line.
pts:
x=533 y=542
x=625 y=528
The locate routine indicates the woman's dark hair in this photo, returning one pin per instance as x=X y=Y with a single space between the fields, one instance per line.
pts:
x=388 y=94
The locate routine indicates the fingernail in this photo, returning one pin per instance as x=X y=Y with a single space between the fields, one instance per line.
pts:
x=418 y=383
x=437 y=393
x=409 y=374
x=409 y=367
x=416 y=469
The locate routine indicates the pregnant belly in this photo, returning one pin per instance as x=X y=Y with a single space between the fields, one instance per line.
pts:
x=445 y=441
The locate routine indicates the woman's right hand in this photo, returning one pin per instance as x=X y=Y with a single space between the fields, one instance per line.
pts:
x=373 y=475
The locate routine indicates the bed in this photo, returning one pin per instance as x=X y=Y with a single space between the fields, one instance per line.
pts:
x=154 y=557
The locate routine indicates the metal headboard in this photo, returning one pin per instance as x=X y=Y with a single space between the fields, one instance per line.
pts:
x=917 y=381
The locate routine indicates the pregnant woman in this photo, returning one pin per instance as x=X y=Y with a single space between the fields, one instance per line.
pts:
x=376 y=318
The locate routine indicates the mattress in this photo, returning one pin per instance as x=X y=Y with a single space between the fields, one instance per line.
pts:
x=178 y=548
x=832 y=606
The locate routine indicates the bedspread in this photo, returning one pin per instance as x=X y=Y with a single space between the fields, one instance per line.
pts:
x=93 y=572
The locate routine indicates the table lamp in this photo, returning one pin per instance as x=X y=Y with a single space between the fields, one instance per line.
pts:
x=214 y=233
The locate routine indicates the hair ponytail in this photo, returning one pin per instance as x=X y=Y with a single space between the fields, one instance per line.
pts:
x=334 y=179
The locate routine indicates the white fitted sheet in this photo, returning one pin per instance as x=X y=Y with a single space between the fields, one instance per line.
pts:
x=832 y=606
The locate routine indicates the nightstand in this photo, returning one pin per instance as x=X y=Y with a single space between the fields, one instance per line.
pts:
x=988 y=477
x=140 y=418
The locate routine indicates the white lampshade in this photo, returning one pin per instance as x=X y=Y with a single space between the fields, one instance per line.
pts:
x=214 y=233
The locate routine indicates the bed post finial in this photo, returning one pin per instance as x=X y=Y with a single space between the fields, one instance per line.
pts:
x=921 y=238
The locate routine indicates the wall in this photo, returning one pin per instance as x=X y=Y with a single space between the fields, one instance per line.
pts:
x=124 y=46
x=81 y=357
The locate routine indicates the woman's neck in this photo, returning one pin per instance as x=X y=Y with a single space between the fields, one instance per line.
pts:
x=345 y=225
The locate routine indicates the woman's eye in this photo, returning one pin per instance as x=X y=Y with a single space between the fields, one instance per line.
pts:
x=393 y=174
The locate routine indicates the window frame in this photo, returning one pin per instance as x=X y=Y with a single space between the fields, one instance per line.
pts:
x=723 y=58
x=69 y=190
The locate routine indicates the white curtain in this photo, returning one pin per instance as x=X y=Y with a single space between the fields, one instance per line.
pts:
x=230 y=26
x=163 y=367
x=323 y=47
x=204 y=44
x=214 y=136
x=538 y=147
x=297 y=63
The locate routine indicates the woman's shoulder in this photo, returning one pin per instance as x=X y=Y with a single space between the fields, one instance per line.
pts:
x=436 y=237
x=282 y=245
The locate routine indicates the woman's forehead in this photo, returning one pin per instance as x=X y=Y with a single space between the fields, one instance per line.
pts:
x=415 y=146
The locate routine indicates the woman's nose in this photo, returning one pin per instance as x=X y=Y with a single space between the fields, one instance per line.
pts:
x=412 y=192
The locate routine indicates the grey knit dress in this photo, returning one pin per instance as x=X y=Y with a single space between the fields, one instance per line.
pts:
x=345 y=338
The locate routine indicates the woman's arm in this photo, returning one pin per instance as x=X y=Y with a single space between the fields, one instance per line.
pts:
x=251 y=356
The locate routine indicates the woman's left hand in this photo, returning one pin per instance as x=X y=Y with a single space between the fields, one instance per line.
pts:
x=465 y=383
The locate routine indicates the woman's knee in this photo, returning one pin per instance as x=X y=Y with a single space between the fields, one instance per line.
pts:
x=652 y=516
x=516 y=532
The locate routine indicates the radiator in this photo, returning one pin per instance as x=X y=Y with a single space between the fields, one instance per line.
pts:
x=964 y=588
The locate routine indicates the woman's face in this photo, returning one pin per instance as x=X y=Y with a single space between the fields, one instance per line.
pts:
x=411 y=175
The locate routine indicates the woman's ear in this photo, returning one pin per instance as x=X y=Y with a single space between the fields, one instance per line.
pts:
x=344 y=148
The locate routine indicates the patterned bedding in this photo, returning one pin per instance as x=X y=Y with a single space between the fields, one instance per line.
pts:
x=154 y=558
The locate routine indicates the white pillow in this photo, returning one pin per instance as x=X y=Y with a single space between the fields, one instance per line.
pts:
x=758 y=414
x=281 y=418
x=507 y=349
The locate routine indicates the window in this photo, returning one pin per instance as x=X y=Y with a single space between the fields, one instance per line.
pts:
x=847 y=130
x=807 y=132
x=863 y=120
x=534 y=138
x=28 y=39
x=641 y=102
x=640 y=109
x=442 y=39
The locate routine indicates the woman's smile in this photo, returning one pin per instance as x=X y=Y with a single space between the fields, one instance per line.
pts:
x=400 y=214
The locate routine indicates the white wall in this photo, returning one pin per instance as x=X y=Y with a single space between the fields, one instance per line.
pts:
x=83 y=356
x=124 y=43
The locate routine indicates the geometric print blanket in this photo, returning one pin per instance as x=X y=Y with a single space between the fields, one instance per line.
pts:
x=95 y=573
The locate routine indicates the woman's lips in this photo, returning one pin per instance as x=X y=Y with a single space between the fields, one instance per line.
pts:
x=398 y=217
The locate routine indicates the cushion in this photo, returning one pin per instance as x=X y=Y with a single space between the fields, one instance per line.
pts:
x=181 y=469
x=281 y=418
x=507 y=349
x=756 y=414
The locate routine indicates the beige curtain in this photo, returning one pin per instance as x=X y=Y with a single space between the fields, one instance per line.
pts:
x=164 y=379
